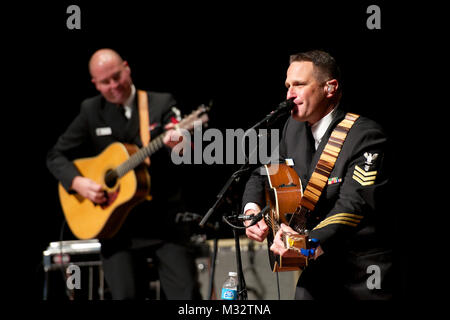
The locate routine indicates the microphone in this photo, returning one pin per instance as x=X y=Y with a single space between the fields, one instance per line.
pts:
x=256 y=217
x=284 y=108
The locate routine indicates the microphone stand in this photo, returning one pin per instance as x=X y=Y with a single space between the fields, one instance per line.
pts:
x=213 y=269
x=241 y=287
x=268 y=120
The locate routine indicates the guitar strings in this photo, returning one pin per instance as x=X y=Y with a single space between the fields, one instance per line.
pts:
x=139 y=156
x=158 y=143
x=275 y=225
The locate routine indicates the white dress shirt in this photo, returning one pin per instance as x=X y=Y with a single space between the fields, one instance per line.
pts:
x=319 y=128
x=128 y=105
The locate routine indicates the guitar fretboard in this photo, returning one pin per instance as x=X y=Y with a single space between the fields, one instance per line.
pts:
x=138 y=157
x=197 y=116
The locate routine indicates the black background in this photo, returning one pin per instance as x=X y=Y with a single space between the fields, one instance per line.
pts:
x=233 y=53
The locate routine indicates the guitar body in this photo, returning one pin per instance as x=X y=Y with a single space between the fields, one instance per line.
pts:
x=125 y=181
x=88 y=220
x=283 y=196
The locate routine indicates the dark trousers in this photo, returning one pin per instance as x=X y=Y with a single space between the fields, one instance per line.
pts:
x=321 y=280
x=127 y=272
x=331 y=280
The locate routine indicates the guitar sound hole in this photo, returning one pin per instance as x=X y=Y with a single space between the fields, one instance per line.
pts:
x=110 y=178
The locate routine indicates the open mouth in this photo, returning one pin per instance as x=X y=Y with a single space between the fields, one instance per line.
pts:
x=297 y=107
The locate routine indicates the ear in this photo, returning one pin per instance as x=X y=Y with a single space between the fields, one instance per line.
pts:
x=331 y=87
x=127 y=66
x=95 y=83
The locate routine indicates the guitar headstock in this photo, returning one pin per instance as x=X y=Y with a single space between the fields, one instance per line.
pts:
x=196 y=117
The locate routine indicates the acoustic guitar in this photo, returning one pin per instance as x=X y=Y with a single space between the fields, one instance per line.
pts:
x=125 y=180
x=283 y=195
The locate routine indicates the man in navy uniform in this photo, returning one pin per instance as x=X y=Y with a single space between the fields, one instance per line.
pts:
x=352 y=258
x=113 y=116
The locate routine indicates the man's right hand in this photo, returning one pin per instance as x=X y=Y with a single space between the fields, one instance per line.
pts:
x=259 y=231
x=88 y=189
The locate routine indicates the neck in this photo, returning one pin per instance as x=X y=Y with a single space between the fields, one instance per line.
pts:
x=325 y=111
x=130 y=96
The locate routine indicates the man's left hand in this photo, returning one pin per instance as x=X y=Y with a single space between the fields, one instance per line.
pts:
x=280 y=249
x=173 y=136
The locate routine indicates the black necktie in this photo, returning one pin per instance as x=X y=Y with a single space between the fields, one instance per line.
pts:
x=122 y=111
x=310 y=144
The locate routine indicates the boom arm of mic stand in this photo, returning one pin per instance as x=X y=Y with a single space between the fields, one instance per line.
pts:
x=268 y=120
x=222 y=192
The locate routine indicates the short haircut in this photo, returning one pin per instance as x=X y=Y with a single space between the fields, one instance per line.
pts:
x=325 y=66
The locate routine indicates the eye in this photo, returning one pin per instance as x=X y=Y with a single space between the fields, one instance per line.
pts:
x=116 y=76
x=298 y=84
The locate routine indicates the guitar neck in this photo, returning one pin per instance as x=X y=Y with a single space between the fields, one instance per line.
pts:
x=199 y=115
x=139 y=157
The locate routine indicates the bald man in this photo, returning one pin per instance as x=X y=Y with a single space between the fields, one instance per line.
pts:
x=113 y=116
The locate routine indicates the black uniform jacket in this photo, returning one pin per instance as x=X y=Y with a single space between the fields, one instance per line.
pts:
x=351 y=219
x=101 y=123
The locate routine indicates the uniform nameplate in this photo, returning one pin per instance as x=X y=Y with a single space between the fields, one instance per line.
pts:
x=105 y=131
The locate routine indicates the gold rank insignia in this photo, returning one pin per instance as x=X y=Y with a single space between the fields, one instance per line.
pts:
x=364 y=178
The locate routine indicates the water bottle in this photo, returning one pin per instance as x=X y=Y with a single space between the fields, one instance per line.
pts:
x=229 y=288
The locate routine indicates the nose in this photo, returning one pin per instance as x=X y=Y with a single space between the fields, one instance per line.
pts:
x=114 y=84
x=291 y=93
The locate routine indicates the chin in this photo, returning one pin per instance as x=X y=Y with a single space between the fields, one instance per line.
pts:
x=298 y=117
x=116 y=100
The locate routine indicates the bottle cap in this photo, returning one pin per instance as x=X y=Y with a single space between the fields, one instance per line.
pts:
x=232 y=274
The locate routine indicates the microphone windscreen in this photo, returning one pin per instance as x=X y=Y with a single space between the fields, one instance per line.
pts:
x=287 y=104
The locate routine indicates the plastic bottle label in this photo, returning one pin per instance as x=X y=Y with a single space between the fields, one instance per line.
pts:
x=229 y=294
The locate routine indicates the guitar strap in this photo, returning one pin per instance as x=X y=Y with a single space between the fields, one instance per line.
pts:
x=144 y=120
x=325 y=165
